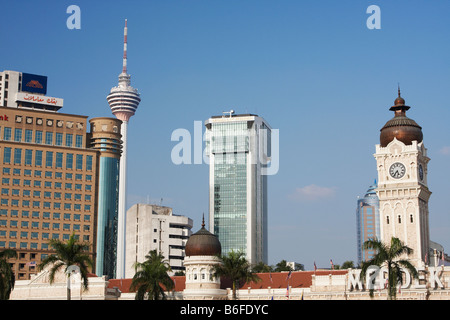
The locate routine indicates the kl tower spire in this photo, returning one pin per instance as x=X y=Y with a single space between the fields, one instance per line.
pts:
x=123 y=101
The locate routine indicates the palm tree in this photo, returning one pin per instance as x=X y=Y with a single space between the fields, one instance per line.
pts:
x=391 y=257
x=150 y=275
x=72 y=253
x=236 y=268
x=6 y=274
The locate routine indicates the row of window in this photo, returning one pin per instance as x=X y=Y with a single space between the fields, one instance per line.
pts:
x=46 y=194
x=47 y=174
x=51 y=158
x=45 y=204
x=45 y=215
x=47 y=184
x=47 y=137
x=45 y=225
x=35 y=245
x=399 y=218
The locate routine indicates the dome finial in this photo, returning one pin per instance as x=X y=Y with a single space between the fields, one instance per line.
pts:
x=203 y=220
x=398 y=84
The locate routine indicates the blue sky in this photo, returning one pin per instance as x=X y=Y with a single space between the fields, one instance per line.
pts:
x=312 y=69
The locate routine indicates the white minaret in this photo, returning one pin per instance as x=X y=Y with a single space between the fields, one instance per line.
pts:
x=123 y=100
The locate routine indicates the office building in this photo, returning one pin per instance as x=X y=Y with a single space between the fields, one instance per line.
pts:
x=238 y=147
x=152 y=227
x=105 y=137
x=49 y=174
x=367 y=222
x=123 y=100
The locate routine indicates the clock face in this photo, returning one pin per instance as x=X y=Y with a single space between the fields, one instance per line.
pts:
x=420 y=172
x=397 y=170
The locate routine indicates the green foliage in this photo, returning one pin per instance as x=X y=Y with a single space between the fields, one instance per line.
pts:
x=391 y=257
x=72 y=253
x=6 y=274
x=236 y=268
x=150 y=275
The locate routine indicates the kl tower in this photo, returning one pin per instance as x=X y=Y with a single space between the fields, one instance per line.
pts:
x=123 y=101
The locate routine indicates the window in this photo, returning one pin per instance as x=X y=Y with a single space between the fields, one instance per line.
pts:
x=38 y=158
x=28 y=157
x=49 y=159
x=78 y=141
x=387 y=219
x=59 y=160
x=89 y=163
x=38 y=137
x=79 y=162
x=58 y=139
x=411 y=218
x=17 y=135
x=48 y=138
x=7 y=134
x=69 y=140
x=28 y=135
x=17 y=156
x=69 y=161
x=399 y=219
x=6 y=155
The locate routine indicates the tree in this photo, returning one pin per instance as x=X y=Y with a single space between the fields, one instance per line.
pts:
x=282 y=266
x=236 y=268
x=261 y=267
x=150 y=275
x=391 y=257
x=72 y=253
x=348 y=265
x=6 y=273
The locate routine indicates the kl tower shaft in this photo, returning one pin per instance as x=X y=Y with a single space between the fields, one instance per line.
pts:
x=123 y=101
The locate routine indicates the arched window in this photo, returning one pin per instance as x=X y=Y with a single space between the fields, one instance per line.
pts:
x=411 y=218
x=399 y=219
x=387 y=219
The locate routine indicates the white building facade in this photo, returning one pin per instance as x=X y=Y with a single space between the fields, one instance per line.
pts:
x=152 y=227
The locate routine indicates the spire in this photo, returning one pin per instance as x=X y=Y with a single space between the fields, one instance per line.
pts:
x=203 y=220
x=125 y=42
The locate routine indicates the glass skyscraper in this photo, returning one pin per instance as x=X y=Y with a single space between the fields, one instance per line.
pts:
x=105 y=137
x=367 y=222
x=239 y=147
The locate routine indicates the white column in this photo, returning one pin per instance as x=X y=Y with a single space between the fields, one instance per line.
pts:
x=120 y=267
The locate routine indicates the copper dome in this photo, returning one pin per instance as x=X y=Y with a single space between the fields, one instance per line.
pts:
x=400 y=127
x=203 y=243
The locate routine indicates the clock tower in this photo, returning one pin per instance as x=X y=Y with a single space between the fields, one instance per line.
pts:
x=402 y=183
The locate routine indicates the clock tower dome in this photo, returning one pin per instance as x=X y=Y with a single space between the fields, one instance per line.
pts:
x=402 y=183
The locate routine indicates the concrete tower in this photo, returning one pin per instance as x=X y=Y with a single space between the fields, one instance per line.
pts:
x=123 y=100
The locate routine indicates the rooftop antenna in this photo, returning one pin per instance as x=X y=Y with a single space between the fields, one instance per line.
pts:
x=230 y=113
x=125 y=42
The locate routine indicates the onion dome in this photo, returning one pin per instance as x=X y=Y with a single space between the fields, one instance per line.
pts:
x=203 y=243
x=400 y=127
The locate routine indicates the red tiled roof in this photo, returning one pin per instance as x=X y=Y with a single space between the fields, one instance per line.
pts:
x=298 y=279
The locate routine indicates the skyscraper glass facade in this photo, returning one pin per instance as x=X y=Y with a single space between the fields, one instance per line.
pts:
x=230 y=145
x=367 y=222
x=238 y=189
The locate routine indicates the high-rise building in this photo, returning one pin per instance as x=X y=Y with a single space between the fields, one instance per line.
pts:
x=152 y=227
x=49 y=174
x=367 y=222
x=402 y=164
x=123 y=100
x=238 y=147
x=105 y=137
